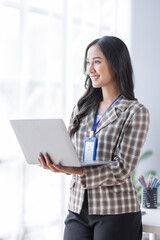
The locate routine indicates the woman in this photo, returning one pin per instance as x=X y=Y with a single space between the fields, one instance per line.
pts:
x=104 y=203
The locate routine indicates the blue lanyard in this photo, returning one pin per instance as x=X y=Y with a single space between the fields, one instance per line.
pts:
x=95 y=124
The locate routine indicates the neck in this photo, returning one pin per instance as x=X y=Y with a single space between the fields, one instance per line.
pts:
x=110 y=94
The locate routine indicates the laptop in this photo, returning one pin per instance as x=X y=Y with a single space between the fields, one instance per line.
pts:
x=51 y=136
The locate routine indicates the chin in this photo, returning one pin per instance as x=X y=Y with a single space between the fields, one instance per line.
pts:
x=96 y=86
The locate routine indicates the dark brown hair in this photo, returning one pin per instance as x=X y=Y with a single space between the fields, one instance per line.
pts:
x=117 y=54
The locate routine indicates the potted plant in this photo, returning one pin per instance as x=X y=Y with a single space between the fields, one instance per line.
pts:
x=142 y=158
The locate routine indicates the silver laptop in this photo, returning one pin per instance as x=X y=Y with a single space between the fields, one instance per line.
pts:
x=51 y=136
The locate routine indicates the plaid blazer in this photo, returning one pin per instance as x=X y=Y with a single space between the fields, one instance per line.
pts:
x=120 y=135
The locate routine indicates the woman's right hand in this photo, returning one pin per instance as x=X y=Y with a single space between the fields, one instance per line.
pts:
x=47 y=163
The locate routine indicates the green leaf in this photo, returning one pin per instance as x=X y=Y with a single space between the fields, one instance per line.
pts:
x=139 y=188
x=139 y=191
x=145 y=155
x=133 y=176
x=151 y=172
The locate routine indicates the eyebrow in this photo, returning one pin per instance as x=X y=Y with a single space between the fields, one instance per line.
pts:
x=95 y=58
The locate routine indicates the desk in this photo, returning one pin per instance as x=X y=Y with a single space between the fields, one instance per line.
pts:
x=151 y=222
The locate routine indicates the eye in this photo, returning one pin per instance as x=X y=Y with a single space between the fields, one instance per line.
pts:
x=96 y=61
x=87 y=62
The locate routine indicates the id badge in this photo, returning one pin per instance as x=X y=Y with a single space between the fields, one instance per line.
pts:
x=89 y=149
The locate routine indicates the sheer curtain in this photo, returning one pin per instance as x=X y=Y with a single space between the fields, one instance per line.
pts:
x=42 y=46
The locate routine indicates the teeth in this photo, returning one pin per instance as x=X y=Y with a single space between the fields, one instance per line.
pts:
x=95 y=77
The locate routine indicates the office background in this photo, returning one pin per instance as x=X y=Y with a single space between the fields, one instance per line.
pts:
x=42 y=46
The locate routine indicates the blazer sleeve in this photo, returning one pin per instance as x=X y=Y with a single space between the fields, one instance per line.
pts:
x=126 y=154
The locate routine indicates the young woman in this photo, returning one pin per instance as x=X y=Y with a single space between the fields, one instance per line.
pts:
x=103 y=203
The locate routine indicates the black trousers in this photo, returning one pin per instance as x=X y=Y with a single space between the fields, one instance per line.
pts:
x=102 y=227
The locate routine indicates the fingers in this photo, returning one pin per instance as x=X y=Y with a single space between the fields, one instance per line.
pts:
x=46 y=163
x=42 y=161
x=49 y=164
x=52 y=166
x=59 y=168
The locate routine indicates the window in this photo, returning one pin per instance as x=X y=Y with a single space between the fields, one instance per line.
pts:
x=42 y=46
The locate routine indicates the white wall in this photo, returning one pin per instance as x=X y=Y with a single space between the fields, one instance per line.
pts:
x=145 y=53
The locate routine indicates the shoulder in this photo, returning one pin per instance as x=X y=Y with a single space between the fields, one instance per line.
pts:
x=139 y=116
x=133 y=111
x=132 y=106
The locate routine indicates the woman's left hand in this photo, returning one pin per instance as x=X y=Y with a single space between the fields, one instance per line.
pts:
x=46 y=163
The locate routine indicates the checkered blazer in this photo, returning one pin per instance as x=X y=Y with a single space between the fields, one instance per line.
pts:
x=120 y=136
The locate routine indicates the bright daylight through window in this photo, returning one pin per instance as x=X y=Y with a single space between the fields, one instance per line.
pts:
x=41 y=57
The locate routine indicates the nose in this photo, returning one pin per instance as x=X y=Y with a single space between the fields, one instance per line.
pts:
x=90 y=68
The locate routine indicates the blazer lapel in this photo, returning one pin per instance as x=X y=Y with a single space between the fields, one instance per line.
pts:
x=90 y=121
x=108 y=118
x=111 y=115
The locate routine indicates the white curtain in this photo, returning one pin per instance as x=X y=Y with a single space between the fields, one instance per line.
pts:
x=42 y=46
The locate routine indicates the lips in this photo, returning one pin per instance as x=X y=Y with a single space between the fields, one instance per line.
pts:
x=95 y=77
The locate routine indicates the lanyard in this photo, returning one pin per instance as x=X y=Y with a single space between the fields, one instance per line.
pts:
x=95 y=124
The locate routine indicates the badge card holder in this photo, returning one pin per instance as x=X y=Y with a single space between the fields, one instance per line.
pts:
x=89 y=149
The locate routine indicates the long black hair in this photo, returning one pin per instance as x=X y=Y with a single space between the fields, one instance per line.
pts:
x=117 y=54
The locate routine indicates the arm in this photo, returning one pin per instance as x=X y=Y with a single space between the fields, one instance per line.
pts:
x=48 y=164
x=127 y=154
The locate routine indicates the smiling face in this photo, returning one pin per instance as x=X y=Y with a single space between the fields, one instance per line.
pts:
x=99 y=69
